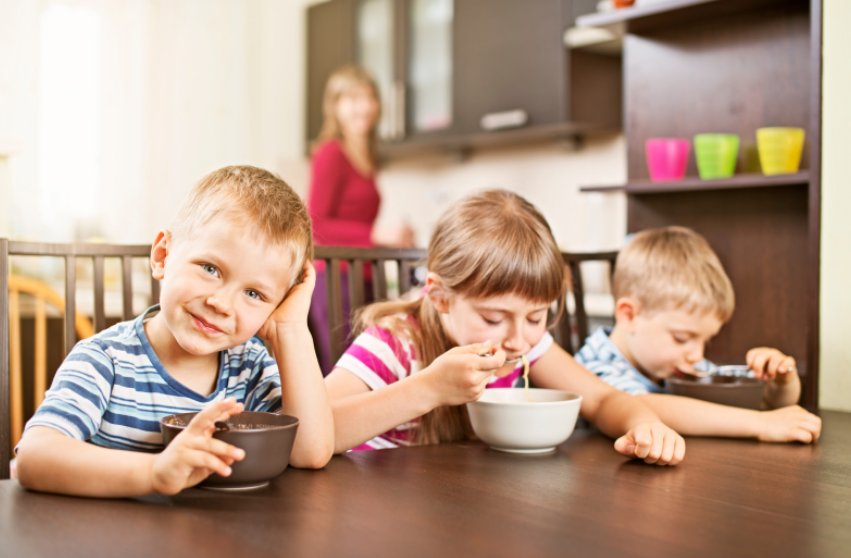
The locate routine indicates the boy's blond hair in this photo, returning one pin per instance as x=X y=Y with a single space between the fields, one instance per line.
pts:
x=673 y=268
x=253 y=197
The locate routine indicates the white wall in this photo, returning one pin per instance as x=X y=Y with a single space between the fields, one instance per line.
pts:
x=835 y=365
x=192 y=85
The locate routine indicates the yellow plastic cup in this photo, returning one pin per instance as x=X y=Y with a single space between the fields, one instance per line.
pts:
x=780 y=149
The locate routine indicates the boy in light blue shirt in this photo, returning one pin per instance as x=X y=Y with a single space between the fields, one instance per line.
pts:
x=671 y=297
x=234 y=263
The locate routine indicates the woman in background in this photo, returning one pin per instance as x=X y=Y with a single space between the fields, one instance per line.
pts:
x=343 y=200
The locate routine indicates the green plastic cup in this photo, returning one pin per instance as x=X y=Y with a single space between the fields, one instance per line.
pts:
x=716 y=155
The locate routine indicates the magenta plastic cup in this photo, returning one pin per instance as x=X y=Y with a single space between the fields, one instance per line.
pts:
x=667 y=158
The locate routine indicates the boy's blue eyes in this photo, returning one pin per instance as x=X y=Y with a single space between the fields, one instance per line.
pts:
x=211 y=270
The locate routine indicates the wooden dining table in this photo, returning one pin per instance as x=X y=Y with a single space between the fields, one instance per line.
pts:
x=728 y=498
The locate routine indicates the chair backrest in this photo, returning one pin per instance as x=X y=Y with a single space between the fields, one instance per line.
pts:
x=70 y=253
x=572 y=329
x=43 y=295
x=570 y=332
x=377 y=258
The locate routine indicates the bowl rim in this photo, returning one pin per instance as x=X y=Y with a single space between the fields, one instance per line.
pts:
x=272 y=427
x=749 y=382
x=575 y=399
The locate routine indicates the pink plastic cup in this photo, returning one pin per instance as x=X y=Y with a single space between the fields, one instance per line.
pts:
x=667 y=158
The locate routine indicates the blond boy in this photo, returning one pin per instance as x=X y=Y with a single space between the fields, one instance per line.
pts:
x=671 y=297
x=234 y=263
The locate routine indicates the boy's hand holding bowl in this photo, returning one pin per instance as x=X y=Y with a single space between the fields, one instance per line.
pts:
x=194 y=454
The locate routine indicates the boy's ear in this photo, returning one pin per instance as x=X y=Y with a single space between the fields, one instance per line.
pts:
x=626 y=311
x=159 y=253
x=437 y=293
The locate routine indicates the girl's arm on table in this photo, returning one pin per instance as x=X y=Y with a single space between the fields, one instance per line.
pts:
x=361 y=414
x=50 y=461
x=693 y=417
x=639 y=430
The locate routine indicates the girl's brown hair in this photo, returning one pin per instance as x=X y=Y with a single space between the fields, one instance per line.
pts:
x=488 y=244
x=340 y=83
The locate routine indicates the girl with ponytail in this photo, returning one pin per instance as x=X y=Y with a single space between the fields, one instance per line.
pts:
x=494 y=275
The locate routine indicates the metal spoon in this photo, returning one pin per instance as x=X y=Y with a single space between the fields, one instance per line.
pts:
x=507 y=361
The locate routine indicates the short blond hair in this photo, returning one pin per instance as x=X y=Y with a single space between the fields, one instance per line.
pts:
x=673 y=268
x=255 y=198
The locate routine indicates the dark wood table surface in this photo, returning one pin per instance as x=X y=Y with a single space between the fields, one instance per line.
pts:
x=728 y=498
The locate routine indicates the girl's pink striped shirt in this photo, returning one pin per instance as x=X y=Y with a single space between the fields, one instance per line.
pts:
x=380 y=358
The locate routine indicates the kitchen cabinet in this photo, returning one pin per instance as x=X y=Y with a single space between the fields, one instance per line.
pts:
x=460 y=74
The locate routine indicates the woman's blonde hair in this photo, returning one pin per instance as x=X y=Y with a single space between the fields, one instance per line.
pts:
x=488 y=244
x=254 y=197
x=339 y=83
x=673 y=268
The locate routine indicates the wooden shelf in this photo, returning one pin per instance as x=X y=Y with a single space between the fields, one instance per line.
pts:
x=695 y=184
x=461 y=145
x=640 y=18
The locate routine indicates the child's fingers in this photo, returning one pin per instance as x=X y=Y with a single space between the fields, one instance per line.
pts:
x=656 y=447
x=773 y=366
x=802 y=435
x=643 y=439
x=204 y=460
x=202 y=422
x=668 y=447
x=490 y=363
x=758 y=365
x=679 y=451
x=787 y=365
x=218 y=448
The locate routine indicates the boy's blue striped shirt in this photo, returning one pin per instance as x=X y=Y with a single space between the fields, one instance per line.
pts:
x=112 y=390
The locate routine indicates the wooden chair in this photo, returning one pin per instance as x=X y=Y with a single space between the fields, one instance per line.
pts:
x=43 y=295
x=333 y=256
x=72 y=325
x=572 y=329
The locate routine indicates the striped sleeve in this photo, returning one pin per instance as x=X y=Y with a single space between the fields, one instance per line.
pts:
x=616 y=377
x=264 y=383
x=377 y=357
x=77 y=399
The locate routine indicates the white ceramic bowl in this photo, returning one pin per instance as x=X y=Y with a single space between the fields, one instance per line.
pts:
x=506 y=421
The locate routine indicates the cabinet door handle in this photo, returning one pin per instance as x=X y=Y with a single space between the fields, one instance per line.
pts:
x=505 y=119
x=399 y=109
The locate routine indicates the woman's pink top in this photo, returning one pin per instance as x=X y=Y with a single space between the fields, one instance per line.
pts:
x=342 y=202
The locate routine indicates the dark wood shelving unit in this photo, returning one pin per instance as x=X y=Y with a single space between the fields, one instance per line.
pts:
x=733 y=66
x=696 y=184
x=675 y=12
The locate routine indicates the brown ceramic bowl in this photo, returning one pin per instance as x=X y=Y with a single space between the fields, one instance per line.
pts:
x=735 y=391
x=267 y=439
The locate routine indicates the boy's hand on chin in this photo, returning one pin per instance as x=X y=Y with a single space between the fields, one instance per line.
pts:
x=654 y=442
x=194 y=454
x=295 y=306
